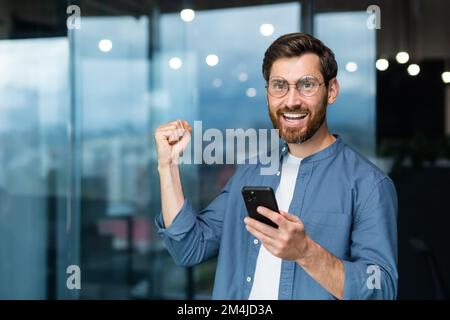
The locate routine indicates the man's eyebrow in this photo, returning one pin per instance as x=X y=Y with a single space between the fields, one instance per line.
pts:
x=308 y=76
x=304 y=77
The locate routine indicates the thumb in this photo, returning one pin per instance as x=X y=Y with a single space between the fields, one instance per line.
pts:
x=180 y=146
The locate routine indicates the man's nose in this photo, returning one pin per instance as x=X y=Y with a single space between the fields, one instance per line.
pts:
x=293 y=97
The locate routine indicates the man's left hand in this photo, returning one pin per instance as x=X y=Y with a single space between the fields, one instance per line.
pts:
x=289 y=241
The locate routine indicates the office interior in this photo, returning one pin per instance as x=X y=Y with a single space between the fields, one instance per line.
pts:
x=79 y=105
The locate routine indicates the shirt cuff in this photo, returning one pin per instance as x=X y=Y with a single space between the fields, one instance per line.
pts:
x=184 y=221
x=352 y=282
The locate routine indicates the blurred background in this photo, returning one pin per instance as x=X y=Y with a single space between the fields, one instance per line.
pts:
x=78 y=108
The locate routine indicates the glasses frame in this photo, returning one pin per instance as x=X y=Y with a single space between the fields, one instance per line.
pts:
x=296 y=88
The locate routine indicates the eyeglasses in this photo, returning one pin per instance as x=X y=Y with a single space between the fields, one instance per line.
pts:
x=307 y=86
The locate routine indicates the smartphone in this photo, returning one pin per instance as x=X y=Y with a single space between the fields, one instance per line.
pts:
x=260 y=196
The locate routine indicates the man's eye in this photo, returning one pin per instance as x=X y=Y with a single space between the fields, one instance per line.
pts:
x=278 y=85
x=306 y=85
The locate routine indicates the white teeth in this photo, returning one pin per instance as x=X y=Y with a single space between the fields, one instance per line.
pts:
x=294 y=115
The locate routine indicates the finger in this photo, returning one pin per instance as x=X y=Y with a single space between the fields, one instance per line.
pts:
x=267 y=241
x=180 y=124
x=170 y=135
x=289 y=216
x=185 y=138
x=181 y=145
x=166 y=127
x=176 y=130
x=187 y=126
x=261 y=227
x=272 y=215
x=175 y=122
x=165 y=134
x=176 y=135
x=172 y=124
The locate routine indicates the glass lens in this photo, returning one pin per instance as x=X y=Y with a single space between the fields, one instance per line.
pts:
x=308 y=85
x=278 y=87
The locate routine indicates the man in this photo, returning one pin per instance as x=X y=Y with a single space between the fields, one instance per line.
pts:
x=337 y=235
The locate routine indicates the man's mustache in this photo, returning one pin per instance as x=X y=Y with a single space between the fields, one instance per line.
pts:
x=300 y=109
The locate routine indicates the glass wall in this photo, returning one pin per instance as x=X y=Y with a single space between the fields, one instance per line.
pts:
x=34 y=117
x=353 y=115
x=111 y=103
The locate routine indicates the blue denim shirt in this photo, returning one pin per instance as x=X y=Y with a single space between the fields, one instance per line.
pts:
x=346 y=203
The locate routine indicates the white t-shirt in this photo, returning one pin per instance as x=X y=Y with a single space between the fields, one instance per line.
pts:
x=268 y=267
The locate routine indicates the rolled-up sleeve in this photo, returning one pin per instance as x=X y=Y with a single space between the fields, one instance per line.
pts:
x=371 y=272
x=194 y=237
x=183 y=222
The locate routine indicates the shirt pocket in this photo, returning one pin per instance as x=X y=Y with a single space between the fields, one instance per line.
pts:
x=331 y=230
x=329 y=219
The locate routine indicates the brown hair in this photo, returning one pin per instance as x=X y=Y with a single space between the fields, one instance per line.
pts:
x=297 y=44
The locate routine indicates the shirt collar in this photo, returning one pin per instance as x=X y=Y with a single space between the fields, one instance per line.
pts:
x=329 y=151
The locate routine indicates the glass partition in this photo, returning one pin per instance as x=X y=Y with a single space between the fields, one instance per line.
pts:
x=353 y=115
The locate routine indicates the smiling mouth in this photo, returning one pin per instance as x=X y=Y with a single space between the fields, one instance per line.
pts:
x=292 y=116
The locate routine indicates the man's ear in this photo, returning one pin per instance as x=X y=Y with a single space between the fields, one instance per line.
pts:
x=333 y=90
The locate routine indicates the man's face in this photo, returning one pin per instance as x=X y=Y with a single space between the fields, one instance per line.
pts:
x=298 y=117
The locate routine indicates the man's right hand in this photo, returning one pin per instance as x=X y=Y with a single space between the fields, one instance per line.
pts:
x=171 y=140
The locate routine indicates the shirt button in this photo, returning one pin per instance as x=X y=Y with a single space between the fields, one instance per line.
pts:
x=255 y=241
x=249 y=279
x=278 y=173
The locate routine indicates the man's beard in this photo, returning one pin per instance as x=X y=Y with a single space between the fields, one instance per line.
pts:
x=295 y=134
